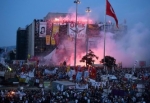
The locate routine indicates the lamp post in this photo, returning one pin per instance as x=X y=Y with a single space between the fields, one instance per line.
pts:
x=76 y=31
x=88 y=12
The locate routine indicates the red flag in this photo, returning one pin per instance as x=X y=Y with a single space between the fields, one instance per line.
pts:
x=110 y=11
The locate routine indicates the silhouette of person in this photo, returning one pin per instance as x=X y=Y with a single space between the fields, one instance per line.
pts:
x=64 y=63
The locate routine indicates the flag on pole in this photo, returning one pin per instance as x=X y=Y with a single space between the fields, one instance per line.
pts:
x=110 y=11
x=134 y=66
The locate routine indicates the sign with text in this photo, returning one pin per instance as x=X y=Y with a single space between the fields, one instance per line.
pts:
x=81 y=30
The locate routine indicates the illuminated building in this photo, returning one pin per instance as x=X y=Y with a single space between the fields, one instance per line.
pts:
x=41 y=44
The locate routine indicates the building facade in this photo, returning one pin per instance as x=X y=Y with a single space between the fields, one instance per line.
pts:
x=41 y=36
x=21 y=44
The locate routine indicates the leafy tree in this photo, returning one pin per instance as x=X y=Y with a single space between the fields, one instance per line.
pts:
x=109 y=61
x=89 y=58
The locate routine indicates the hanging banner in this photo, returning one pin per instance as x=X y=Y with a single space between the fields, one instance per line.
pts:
x=81 y=27
x=92 y=42
x=49 y=28
x=93 y=30
x=42 y=30
x=47 y=39
x=55 y=31
x=142 y=63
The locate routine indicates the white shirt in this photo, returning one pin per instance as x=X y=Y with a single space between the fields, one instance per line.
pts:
x=76 y=101
x=88 y=101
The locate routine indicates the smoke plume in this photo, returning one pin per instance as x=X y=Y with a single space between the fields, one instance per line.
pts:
x=131 y=46
x=134 y=45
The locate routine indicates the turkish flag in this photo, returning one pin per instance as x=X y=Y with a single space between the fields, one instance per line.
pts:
x=110 y=11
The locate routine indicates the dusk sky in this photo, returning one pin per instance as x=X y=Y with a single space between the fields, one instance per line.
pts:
x=19 y=13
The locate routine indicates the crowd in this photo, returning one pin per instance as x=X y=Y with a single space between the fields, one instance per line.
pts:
x=120 y=90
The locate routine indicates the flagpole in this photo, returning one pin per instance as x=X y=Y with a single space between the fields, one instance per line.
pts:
x=76 y=32
x=104 y=32
x=105 y=41
x=88 y=12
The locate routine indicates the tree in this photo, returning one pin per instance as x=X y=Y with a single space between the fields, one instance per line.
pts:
x=89 y=58
x=109 y=61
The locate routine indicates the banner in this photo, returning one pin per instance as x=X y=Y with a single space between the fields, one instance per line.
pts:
x=78 y=77
x=134 y=66
x=50 y=71
x=56 y=38
x=142 y=63
x=47 y=39
x=93 y=30
x=92 y=42
x=54 y=32
x=42 y=29
x=49 y=28
x=81 y=30
x=86 y=74
x=81 y=86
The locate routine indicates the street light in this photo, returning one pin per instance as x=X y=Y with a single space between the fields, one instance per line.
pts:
x=76 y=31
x=88 y=12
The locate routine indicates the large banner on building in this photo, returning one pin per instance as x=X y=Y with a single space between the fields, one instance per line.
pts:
x=93 y=30
x=49 y=28
x=55 y=31
x=81 y=30
x=47 y=39
x=92 y=43
x=42 y=29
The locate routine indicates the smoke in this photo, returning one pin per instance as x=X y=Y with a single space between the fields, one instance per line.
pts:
x=134 y=45
x=126 y=48
x=131 y=46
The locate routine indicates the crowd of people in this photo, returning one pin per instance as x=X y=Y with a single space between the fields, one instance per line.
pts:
x=120 y=90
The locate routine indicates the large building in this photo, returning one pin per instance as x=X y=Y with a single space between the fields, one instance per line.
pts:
x=36 y=43
x=43 y=36
x=42 y=44
x=21 y=44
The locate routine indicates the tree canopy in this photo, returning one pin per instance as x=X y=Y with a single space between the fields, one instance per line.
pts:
x=89 y=58
x=109 y=61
